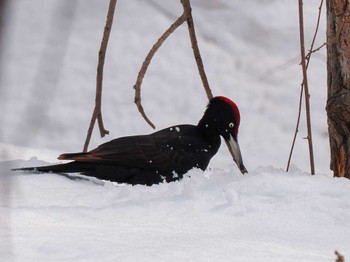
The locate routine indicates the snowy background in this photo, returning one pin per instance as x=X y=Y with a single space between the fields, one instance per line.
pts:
x=251 y=54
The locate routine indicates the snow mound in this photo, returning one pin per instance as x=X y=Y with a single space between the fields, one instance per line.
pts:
x=266 y=215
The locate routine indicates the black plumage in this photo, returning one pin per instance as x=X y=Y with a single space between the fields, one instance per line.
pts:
x=165 y=155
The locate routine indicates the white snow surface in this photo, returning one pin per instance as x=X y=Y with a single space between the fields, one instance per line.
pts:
x=266 y=215
x=250 y=50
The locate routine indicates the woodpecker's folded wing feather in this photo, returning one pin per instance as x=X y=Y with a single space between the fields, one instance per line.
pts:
x=158 y=151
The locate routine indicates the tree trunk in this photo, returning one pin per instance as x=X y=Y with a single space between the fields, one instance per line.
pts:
x=338 y=68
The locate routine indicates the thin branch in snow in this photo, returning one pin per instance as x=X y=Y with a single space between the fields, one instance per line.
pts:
x=307 y=59
x=187 y=9
x=186 y=16
x=97 y=113
x=146 y=63
x=340 y=258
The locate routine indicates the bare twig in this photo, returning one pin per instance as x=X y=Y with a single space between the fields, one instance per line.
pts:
x=278 y=68
x=306 y=87
x=311 y=51
x=289 y=63
x=146 y=63
x=186 y=16
x=307 y=57
x=97 y=113
x=340 y=258
x=187 y=9
x=296 y=128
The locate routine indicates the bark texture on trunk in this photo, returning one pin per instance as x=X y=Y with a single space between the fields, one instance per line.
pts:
x=338 y=101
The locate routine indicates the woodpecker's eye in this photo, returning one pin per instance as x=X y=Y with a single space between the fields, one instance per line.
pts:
x=231 y=125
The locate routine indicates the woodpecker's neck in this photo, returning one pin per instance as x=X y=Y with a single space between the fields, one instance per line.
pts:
x=207 y=128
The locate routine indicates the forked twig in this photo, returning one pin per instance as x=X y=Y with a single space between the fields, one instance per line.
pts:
x=306 y=87
x=307 y=58
x=97 y=113
x=186 y=16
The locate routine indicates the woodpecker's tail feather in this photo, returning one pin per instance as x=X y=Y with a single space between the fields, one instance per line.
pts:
x=73 y=156
x=71 y=167
x=120 y=174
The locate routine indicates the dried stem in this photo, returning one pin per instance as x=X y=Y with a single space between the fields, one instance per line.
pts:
x=340 y=258
x=146 y=63
x=306 y=87
x=97 y=113
x=296 y=127
x=186 y=16
x=187 y=9
x=313 y=51
x=307 y=57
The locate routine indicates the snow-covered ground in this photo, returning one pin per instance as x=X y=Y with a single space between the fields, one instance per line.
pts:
x=267 y=215
x=250 y=51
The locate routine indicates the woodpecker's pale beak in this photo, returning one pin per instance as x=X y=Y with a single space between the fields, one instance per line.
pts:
x=233 y=147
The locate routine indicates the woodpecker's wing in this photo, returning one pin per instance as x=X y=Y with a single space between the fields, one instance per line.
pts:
x=170 y=149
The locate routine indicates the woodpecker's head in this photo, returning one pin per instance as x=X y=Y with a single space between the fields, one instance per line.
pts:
x=223 y=116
